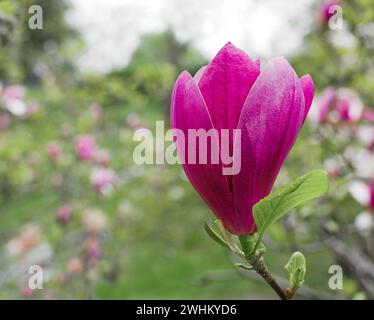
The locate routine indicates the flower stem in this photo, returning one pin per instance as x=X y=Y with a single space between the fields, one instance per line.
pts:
x=261 y=269
x=257 y=262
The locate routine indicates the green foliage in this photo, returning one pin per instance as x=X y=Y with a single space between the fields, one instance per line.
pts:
x=278 y=203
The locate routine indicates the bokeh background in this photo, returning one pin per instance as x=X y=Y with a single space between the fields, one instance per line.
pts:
x=71 y=197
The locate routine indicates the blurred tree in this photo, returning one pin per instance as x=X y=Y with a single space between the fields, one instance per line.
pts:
x=155 y=65
x=31 y=54
x=342 y=57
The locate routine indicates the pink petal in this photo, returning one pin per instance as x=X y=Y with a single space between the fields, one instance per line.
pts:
x=368 y=115
x=199 y=74
x=324 y=104
x=308 y=90
x=225 y=85
x=269 y=123
x=189 y=111
x=371 y=191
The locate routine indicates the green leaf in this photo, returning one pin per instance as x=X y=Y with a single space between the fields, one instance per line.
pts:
x=296 y=268
x=278 y=203
x=214 y=235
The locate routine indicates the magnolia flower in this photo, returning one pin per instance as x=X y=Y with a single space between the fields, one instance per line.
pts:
x=92 y=246
x=322 y=105
x=103 y=180
x=337 y=105
x=368 y=114
x=102 y=157
x=362 y=161
x=29 y=237
x=13 y=100
x=133 y=121
x=57 y=180
x=326 y=11
x=54 y=150
x=96 y=111
x=364 y=222
x=85 y=147
x=74 y=265
x=14 y=92
x=4 y=121
x=268 y=107
x=366 y=136
x=348 y=105
x=26 y=292
x=363 y=192
x=64 y=214
x=94 y=220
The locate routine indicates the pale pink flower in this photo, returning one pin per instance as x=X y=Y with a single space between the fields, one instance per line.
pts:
x=64 y=214
x=96 y=111
x=85 y=147
x=74 y=265
x=54 y=150
x=102 y=157
x=14 y=92
x=103 y=180
x=26 y=292
x=94 y=220
x=5 y=121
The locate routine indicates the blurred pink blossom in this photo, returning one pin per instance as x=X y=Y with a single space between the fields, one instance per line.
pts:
x=29 y=237
x=26 y=292
x=322 y=105
x=96 y=111
x=94 y=220
x=57 y=180
x=85 y=147
x=32 y=107
x=64 y=214
x=92 y=245
x=14 y=92
x=74 y=265
x=368 y=114
x=371 y=192
x=325 y=12
x=103 y=180
x=363 y=192
x=13 y=100
x=102 y=157
x=54 y=150
x=337 y=106
x=5 y=121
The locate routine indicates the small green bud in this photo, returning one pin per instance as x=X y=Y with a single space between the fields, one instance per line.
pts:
x=296 y=268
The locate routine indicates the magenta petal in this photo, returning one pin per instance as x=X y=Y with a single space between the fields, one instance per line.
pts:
x=371 y=192
x=269 y=123
x=308 y=90
x=225 y=85
x=189 y=111
x=199 y=74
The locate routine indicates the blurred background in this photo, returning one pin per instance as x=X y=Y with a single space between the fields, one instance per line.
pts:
x=73 y=201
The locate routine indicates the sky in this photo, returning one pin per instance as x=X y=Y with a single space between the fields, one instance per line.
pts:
x=112 y=29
